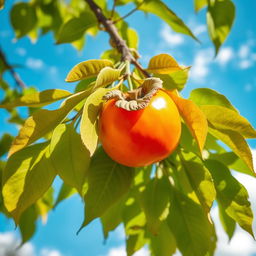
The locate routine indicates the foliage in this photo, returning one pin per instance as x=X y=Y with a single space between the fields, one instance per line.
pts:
x=165 y=205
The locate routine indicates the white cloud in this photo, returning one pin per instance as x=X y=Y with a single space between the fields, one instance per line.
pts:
x=199 y=29
x=247 y=58
x=244 y=64
x=225 y=55
x=200 y=66
x=244 y=51
x=21 y=51
x=120 y=251
x=34 y=63
x=9 y=245
x=171 y=38
x=196 y=27
x=47 y=252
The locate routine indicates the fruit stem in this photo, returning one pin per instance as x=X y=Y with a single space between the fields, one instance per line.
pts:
x=128 y=73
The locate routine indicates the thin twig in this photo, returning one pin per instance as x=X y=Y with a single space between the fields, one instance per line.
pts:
x=78 y=114
x=138 y=66
x=14 y=74
x=129 y=13
x=113 y=9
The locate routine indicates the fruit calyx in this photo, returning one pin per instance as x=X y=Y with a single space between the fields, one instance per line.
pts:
x=136 y=99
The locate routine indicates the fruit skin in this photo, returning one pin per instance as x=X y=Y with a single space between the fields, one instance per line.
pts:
x=141 y=137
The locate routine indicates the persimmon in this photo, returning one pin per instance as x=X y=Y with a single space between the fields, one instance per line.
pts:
x=140 y=137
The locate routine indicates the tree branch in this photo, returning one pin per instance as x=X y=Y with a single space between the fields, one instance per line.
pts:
x=14 y=74
x=119 y=43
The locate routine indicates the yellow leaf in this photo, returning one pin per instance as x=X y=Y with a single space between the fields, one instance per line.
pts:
x=86 y=69
x=193 y=117
x=88 y=126
x=38 y=99
x=163 y=64
x=236 y=142
x=107 y=76
x=223 y=118
x=43 y=121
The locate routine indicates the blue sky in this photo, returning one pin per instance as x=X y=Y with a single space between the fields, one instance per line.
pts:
x=45 y=66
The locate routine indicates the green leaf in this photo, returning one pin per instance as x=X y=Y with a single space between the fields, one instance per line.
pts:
x=142 y=175
x=123 y=2
x=164 y=243
x=111 y=54
x=5 y=143
x=79 y=44
x=27 y=176
x=23 y=18
x=84 y=84
x=199 y=4
x=45 y=204
x=231 y=160
x=212 y=144
x=187 y=142
x=236 y=142
x=201 y=181
x=193 y=117
x=38 y=99
x=108 y=181
x=206 y=96
x=228 y=224
x=128 y=34
x=135 y=242
x=27 y=223
x=220 y=17
x=43 y=121
x=155 y=202
x=75 y=28
x=189 y=224
x=64 y=193
x=108 y=222
x=87 y=69
x=69 y=156
x=231 y=194
x=175 y=80
x=133 y=217
x=158 y=8
x=107 y=76
x=89 y=121
x=225 y=119
x=163 y=64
